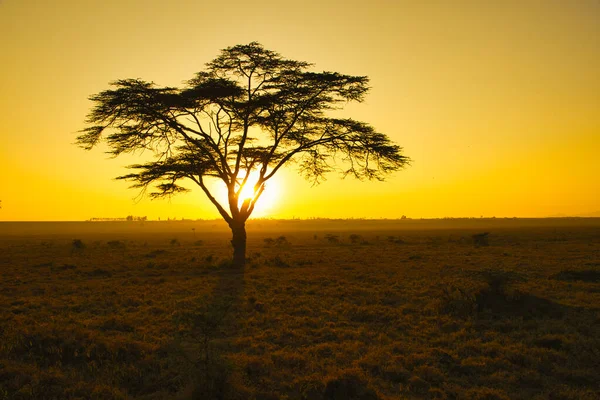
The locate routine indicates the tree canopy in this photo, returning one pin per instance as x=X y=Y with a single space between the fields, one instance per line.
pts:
x=250 y=110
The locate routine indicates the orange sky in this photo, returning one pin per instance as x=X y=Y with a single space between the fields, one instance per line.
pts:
x=497 y=103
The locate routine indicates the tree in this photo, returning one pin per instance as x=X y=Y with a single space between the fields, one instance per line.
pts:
x=249 y=111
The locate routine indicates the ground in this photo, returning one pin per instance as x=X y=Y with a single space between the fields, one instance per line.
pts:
x=324 y=310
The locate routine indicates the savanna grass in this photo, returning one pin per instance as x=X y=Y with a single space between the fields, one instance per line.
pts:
x=418 y=313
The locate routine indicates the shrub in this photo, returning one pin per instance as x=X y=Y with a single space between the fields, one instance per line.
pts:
x=77 y=245
x=457 y=301
x=418 y=385
x=481 y=239
x=280 y=241
x=277 y=262
x=354 y=238
x=332 y=238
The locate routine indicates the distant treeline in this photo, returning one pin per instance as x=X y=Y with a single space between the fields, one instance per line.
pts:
x=128 y=218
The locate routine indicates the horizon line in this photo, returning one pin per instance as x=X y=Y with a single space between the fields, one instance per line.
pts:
x=117 y=219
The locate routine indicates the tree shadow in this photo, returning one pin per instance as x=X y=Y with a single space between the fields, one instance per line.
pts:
x=510 y=304
x=498 y=299
x=206 y=330
x=588 y=275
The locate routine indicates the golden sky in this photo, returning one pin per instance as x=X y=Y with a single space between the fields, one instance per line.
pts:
x=496 y=102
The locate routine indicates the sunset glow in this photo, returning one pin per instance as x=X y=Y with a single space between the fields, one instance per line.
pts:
x=269 y=202
x=496 y=103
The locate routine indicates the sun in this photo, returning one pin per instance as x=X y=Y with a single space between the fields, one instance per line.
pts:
x=268 y=200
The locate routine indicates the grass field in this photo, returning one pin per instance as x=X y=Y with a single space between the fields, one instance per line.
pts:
x=324 y=310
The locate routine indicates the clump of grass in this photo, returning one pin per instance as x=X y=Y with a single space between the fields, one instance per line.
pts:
x=100 y=272
x=155 y=253
x=44 y=264
x=115 y=244
x=63 y=267
x=281 y=241
x=114 y=324
x=418 y=385
x=457 y=301
x=349 y=386
x=278 y=262
x=253 y=260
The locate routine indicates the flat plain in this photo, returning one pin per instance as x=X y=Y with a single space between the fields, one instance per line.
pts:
x=325 y=309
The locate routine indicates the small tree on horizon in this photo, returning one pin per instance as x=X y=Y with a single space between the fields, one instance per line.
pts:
x=250 y=112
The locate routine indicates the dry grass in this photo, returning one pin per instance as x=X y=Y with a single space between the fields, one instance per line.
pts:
x=384 y=311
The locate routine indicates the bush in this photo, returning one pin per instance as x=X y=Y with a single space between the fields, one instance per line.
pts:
x=281 y=241
x=354 y=238
x=481 y=239
x=332 y=238
x=465 y=303
x=78 y=245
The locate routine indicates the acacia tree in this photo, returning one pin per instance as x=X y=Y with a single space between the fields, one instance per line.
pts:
x=249 y=111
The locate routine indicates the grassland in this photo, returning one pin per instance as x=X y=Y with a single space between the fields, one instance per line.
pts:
x=324 y=310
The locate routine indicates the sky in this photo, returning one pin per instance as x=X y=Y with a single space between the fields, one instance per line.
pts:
x=497 y=103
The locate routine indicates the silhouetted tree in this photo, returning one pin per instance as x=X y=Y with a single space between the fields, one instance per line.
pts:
x=250 y=110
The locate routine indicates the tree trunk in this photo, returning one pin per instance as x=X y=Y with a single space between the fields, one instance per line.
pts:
x=238 y=241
